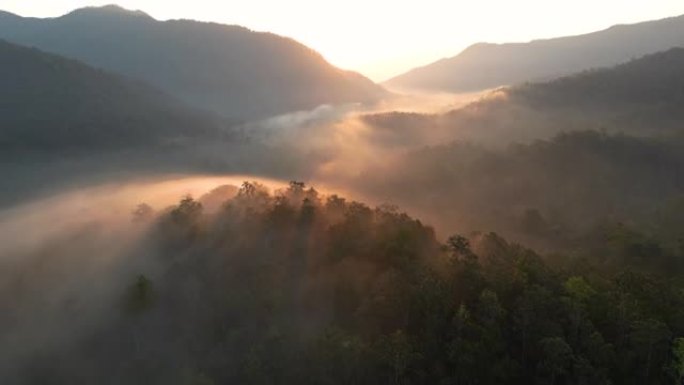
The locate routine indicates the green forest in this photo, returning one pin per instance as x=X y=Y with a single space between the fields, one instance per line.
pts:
x=296 y=287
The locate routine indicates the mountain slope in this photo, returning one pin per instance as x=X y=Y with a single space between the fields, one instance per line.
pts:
x=549 y=163
x=483 y=66
x=229 y=69
x=642 y=97
x=52 y=103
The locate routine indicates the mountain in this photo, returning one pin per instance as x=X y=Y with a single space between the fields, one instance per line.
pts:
x=642 y=97
x=484 y=66
x=547 y=163
x=549 y=193
x=652 y=80
x=48 y=102
x=228 y=69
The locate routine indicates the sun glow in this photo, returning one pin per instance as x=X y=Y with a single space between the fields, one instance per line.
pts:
x=384 y=38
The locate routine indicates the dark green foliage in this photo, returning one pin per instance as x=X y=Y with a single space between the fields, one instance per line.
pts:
x=51 y=103
x=290 y=288
x=678 y=361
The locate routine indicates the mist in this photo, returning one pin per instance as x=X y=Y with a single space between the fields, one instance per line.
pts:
x=190 y=203
x=71 y=242
x=66 y=260
x=69 y=260
x=161 y=266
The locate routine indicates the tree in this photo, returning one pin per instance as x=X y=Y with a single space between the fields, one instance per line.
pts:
x=397 y=353
x=557 y=357
x=459 y=246
x=678 y=360
x=187 y=211
x=578 y=288
x=138 y=299
x=142 y=213
x=647 y=336
x=140 y=296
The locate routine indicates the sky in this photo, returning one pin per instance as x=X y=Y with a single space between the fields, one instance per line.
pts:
x=383 y=38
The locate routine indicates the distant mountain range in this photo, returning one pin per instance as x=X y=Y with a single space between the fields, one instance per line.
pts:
x=48 y=102
x=643 y=97
x=484 y=66
x=231 y=70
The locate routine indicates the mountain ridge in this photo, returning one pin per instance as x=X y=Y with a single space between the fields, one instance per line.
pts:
x=230 y=70
x=642 y=97
x=488 y=65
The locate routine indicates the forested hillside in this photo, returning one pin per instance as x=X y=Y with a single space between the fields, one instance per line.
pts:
x=554 y=164
x=50 y=103
x=556 y=193
x=300 y=288
x=238 y=73
x=642 y=97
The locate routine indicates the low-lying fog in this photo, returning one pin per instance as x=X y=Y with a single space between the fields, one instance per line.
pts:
x=68 y=230
x=63 y=258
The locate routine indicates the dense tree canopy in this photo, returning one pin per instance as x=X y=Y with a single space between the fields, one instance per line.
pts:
x=295 y=287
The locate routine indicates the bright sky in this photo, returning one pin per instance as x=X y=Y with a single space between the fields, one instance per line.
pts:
x=382 y=38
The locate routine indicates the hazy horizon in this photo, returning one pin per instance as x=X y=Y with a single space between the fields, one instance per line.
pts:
x=403 y=42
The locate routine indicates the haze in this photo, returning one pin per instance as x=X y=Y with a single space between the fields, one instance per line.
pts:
x=384 y=38
x=195 y=203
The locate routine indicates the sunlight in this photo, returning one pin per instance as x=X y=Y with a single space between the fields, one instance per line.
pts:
x=385 y=38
